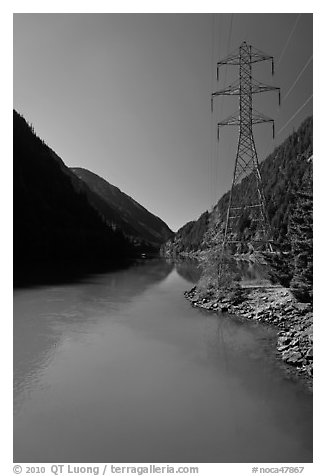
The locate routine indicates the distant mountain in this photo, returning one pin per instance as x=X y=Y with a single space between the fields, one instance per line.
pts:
x=285 y=172
x=121 y=211
x=188 y=238
x=54 y=221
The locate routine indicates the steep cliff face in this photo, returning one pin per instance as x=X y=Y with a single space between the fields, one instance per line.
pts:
x=122 y=211
x=284 y=174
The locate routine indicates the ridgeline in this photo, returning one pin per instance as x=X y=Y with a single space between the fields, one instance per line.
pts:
x=60 y=228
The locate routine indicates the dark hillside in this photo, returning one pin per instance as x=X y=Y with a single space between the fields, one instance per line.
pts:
x=118 y=209
x=53 y=219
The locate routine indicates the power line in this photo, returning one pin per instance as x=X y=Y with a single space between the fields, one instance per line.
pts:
x=211 y=157
x=215 y=144
x=295 y=114
x=288 y=122
x=291 y=118
x=298 y=77
x=289 y=39
x=224 y=82
x=228 y=44
x=227 y=51
x=230 y=33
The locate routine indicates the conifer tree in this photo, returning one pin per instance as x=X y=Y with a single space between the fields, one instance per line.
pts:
x=301 y=237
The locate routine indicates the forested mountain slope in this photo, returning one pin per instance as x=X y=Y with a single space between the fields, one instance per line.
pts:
x=118 y=209
x=188 y=238
x=284 y=174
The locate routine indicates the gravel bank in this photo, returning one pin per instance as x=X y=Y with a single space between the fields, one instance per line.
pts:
x=275 y=306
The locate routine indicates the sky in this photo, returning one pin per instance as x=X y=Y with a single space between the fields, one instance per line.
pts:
x=127 y=96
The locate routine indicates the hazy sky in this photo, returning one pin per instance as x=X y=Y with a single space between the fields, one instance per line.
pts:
x=127 y=96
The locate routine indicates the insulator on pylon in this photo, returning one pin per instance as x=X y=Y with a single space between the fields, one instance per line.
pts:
x=212 y=104
x=279 y=97
x=216 y=73
x=273 y=130
x=272 y=66
x=218 y=132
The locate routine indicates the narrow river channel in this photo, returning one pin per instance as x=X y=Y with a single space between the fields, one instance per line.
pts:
x=118 y=367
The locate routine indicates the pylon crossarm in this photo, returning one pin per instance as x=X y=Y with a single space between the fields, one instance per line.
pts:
x=258 y=87
x=229 y=91
x=262 y=88
x=255 y=58
x=232 y=120
x=232 y=58
x=258 y=117
x=235 y=90
x=258 y=55
x=229 y=121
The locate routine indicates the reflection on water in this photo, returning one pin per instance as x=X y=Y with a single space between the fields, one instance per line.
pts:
x=120 y=368
x=189 y=270
x=249 y=271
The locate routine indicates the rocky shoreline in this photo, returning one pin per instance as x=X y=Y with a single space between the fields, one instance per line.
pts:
x=272 y=305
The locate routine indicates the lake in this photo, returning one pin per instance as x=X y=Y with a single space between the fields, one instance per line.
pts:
x=118 y=367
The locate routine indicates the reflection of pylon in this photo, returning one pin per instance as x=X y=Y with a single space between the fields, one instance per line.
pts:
x=246 y=214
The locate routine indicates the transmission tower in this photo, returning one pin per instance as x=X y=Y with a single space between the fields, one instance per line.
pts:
x=245 y=212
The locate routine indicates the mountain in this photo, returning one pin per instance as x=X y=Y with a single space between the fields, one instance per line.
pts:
x=284 y=174
x=55 y=225
x=188 y=238
x=121 y=211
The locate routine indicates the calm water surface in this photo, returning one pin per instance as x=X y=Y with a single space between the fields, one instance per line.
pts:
x=120 y=368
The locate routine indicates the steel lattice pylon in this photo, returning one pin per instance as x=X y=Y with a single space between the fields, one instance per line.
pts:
x=245 y=211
